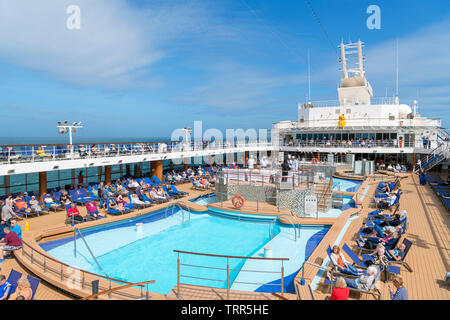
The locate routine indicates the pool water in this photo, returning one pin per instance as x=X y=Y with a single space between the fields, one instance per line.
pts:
x=346 y=185
x=205 y=200
x=129 y=255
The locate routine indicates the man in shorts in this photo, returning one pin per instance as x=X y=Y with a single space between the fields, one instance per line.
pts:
x=11 y=242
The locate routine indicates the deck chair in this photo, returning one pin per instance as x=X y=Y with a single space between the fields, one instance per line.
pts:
x=74 y=195
x=335 y=268
x=357 y=262
x=69 y=219
x=402 y=262
x=174 y=189
x=34 y=285
x=171 y=193
x=12 y=279
x=137 y=205
x=157 y=181
x=110 y=202
x=373 y=290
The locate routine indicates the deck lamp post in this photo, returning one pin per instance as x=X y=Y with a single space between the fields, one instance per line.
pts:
x=66 y=128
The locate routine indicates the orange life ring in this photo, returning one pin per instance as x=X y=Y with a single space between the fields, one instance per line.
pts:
x=314 y=160
x=238 y=201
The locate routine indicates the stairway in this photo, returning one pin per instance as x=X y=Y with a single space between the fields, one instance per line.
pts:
x=437 y=155
x=324 y=192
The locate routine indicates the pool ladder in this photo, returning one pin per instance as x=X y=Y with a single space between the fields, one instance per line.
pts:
x=182 y=206
x=75 y=231
x=293 y=222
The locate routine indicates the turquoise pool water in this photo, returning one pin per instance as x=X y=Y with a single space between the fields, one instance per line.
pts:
x=127 y=252
x=129 y=255
x=204 y=200
x=346 y=185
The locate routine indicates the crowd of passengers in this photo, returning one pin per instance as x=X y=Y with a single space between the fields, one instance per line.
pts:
x=125 y=193
x=380 y=236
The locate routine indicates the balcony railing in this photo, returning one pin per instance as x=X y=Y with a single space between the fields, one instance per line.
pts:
x=10 y=154
x=350 y=144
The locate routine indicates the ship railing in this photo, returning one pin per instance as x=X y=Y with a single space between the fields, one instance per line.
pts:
x=70 y=278
x=34 y=153
x=335 y=103
x=353 y=144
x=227 y=282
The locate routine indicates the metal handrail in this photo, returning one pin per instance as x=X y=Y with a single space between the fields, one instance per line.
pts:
x=228 y=257
x=294 y=224
x=61 y=266
x=109 y=291
x=75 y=230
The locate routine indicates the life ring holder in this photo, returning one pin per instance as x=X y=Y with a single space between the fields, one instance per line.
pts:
x=238 y=201
x=314 y=160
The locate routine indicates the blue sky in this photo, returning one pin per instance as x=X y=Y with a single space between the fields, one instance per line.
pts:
x=144 y=68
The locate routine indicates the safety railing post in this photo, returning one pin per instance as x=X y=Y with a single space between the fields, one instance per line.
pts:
x=228 y=279
x=282 y=277
x=178 y=275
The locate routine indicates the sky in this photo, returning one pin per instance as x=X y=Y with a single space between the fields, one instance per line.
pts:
x=142 y=68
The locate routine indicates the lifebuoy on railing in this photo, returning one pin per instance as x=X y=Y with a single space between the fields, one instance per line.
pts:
x=314 y=160
x=238 y=201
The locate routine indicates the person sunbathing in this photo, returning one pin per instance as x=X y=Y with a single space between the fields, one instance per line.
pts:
x=21 y=204
x=73 y=213
x=155 y=196
x=341 y=263
x=135 y=200
x=49 y=202
x=396 y=254
x=23 y=290
x=34 y=205
x=65 y=198
x=91 y=208
x=371 y=243
x=363 y=282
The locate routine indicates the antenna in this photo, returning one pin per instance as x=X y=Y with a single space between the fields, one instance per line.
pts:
x=396 y=72
x=309 y=79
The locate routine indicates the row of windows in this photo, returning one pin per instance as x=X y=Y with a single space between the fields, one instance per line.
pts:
x=61 y=178
x=348 y=136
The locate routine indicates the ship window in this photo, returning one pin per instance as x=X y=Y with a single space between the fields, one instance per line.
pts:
x=310 y=136
x=385 y=136
x=332 y=136
x=325 y=135
x=379 y=136
x=358 y=136
x=338 y=137
x=320 y=136
x=365 y=136
x=351 y=136
x=393 y=135
x=371 y=135
x=298 y=136
x=345 y=136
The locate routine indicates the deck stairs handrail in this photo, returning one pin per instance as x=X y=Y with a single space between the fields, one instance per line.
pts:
x=436 y=156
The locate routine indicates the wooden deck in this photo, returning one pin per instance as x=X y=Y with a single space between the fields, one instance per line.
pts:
x=429 y=257
x=429 y=225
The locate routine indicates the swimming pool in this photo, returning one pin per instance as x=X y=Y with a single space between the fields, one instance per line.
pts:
x=134 y=254
x=205 y=200
x=346 y=185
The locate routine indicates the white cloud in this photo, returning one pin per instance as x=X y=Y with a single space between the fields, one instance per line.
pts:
x=116 y=46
